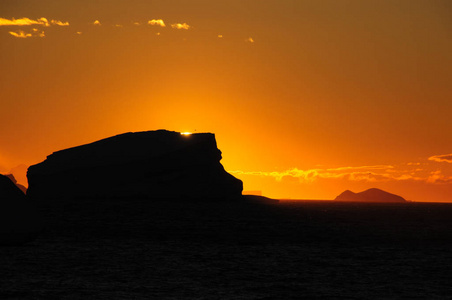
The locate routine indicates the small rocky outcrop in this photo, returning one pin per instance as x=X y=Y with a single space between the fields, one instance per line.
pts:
x=370 y=195
x=18 y=218
x=155 y=164
x=259 y=199
x=13 y=179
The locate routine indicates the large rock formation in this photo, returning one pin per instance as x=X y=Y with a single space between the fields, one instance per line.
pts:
x=370 y=195
x=157 y=164
x=18 y=218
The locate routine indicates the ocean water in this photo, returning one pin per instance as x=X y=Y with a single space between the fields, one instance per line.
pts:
x=141 y=249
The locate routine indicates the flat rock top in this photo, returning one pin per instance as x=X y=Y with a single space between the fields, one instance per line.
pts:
x=131 y=146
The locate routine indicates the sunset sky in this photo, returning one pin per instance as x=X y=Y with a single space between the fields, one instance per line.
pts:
x=306 y=98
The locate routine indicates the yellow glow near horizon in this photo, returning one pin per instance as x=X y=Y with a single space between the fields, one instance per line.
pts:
x=299 y=109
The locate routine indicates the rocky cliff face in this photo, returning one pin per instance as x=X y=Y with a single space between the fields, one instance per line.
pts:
x=370 y=195
x=157 y=164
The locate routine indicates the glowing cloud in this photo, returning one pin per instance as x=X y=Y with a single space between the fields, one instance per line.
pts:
x=220 y=36
x=442 y=158
x=20 y=34
x=181 y=26
x=158 y=22
x=59 y=23
x=23 y=35
x=377 y=167
x=378 y=173
x=27 y=22
x=44 y=22
x=303 y=175
x=18 y=22
x=23 y=22
x=97 y=22
x=438 y=177
x=250 y=40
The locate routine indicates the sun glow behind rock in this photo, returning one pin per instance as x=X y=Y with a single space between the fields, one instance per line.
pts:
x=284 y=99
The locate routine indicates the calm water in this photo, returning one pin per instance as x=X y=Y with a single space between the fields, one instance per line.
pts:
x=141 y=249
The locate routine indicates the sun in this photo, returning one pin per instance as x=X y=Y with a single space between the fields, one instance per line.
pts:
x=185 y=133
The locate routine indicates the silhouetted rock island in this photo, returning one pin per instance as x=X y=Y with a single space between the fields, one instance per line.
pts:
x=155 y=164
x=18 y=218
x=370 y=195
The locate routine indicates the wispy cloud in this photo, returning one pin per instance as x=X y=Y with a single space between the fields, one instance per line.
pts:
x=181 y=26
x=24 y=35
x=250 y=40
x=97 y=23
x=157 y=22
x=376 y=167
x=377 y=173
x=303 y=175
x=23 y=22
x=20 y=34
x=59 y=23
x=28 y=22
x=438 y=177
x=442 y=158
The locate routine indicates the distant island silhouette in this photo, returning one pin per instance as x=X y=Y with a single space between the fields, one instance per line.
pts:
x=370 y=195
x=152 y=164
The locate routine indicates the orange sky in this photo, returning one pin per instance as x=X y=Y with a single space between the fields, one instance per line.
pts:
x=306 y=98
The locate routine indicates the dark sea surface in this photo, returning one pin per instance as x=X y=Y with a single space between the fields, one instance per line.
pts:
x=142 y=249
